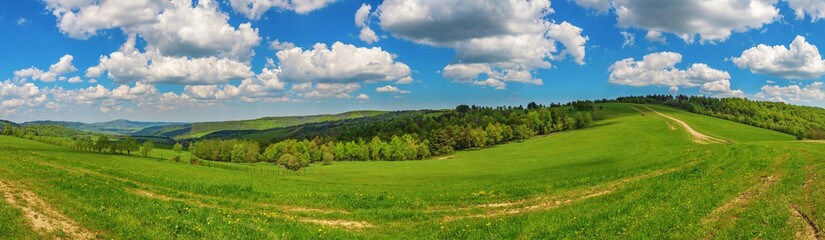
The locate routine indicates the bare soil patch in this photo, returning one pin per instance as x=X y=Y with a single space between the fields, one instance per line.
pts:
x=346 y=224
x=40 y=215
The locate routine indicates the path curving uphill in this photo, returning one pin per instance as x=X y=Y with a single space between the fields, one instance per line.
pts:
x=696 y=136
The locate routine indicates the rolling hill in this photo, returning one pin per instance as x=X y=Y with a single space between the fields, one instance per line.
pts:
x=120 y=126
x=638 y=173
x=202 y=129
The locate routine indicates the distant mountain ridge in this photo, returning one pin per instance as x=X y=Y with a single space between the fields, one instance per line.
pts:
x=119 y=126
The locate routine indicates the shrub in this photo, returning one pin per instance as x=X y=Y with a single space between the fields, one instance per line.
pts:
x=194 y=160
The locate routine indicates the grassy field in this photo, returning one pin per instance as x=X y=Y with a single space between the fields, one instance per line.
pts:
x=631 y=176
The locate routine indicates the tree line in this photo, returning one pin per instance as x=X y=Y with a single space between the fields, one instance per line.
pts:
x=59 y=135
x=412 y=136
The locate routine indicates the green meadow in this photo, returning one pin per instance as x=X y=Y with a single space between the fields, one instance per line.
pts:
x=630 y=176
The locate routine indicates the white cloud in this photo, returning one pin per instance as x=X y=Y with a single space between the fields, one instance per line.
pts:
x=362 y=97
x=659 y=69
x=602 y=6
x=21 y=21
x=173 y=28
x=130 y=65
x=75 y=79
x=571 y=37
x=84 y=18
x=801 y=61
x=14 y=96
x=507 y=37
x=362 y=15
x=491 y=82
x=343 y=63
x=278 y=45
x=655 y=36
x=721 y=88
x=793 y=93
x=468 y=73
x=629 y=39
x=362 y=20
x=368 y=36
x=124 y=98
x=328 y=90
x=199 y=31
x=63 y=66
x=390 y=89
x=254 y=9
x=813 y=8
x=711 y=20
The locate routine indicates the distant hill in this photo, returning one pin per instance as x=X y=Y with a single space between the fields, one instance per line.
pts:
x=119 y=126
x=234 y=128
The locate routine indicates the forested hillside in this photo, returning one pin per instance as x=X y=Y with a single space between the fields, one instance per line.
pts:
x=119 y=126
x=801 y=121
x=403 y=135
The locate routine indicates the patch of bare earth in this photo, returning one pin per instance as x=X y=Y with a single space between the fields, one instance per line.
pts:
x=310 y=210
x=541 y=203
x=40 y=215
x=696 y=136
x=338 y=223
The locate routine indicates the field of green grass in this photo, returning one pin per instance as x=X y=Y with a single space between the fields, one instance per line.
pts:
x=631 y=176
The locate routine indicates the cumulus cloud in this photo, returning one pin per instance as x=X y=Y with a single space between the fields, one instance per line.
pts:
x=813 y=8
x=601 y=6
x=362 y=20
x=14 y=96
x=254 y=9
x=801 y=61
x=390 y=89
x=793 y=93
x=468 y=73
x=710 y=20
x=327 y=90
x=659 y=69
x=508 y=37
x=343 y=63
x=655 y=36
x=75 y=79
x=199 y=31
x=173 y=28
x=83 y=19
x=124 y=98
x=130 y=65
x=491 y=82
x=278 y=45
x=63 y=66
x=362 y=97
x=721 y=88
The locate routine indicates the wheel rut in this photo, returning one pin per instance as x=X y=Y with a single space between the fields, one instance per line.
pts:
x=41 y=216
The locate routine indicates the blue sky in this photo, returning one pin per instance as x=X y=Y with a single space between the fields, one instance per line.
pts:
x=178 y=60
